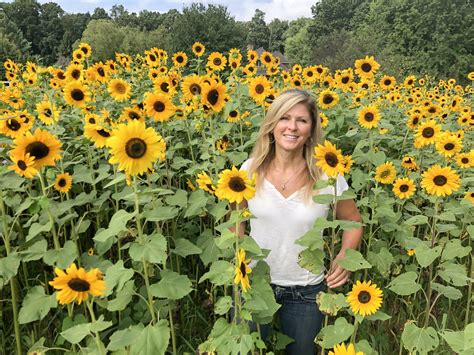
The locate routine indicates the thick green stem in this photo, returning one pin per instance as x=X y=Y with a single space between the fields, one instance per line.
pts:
x=430 y=290
x=57 y=245
x=96 y=334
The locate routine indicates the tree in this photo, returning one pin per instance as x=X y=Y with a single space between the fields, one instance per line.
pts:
x=51 y=31
x=297 y=47
x=258 y=32
x=73 y=25
x=149 y=20
x=100 y=14
x=12 y=43
x=105 y=37
x=277 y=29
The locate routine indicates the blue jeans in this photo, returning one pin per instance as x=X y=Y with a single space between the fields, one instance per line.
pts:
x=300 y=317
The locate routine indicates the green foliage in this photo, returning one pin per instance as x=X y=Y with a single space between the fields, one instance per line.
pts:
x=258 y=34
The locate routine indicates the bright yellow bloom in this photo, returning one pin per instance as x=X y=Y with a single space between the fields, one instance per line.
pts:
x=365 y=298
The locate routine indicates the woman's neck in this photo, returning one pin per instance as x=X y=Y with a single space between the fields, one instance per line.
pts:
x=284 y=161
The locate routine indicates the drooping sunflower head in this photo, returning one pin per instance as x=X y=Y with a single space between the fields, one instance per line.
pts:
x=440 y=181
x=235 y=186
x=365 y=298
x=385 y=173
x=97 y=134
x=47 y=112
x=135 y=148
x=242 y=270
x=44 y=147
x=63 y=182
x=329 y=159
x=205 y=183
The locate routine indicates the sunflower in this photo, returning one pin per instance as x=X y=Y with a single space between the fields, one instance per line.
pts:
x=324 y=119
x=385 y=173
x=440 y=181
x=250 y=70
x=414 y=120
x=99 y=72
x=159 y=106
x=404 y=188
x=205 y=182
x=342 y=350
x=78 y=56
x=365 y=299
x=409 y=163
x=387 y=82
x=252 y=56
x=465 y=160
x=309 y=75
x=214 y=96
x=328 y=99
x=48 y=113
x=63 y=182
x=77 y=284
x=86 y=49
x=259 y=87
x=216 y=61
x=12 y=126
x=180 y=59
x=369 y=117
x=266 y=58
x=41 y=145
x=24 y=166
x=76 y=94
x=198 y=49
x=163 y=84
x=366 y=67
x=448 y=145
x=222 y=144
x=329 y=159
x=242 y=270
x=235 y=186
x=135 y=148
x=234 y=116
x=97 y=134
x=74 y=72
x=191 y=86
x=347 y=163
x=132 y=113
x=119 y=89
x=427 y=133
x=469 y=196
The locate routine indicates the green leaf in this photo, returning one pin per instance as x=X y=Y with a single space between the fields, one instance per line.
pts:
x=125 y=337
x=153 y=339
x=354 y=261
x=331 y=303
x=379 y=315
x=219 y=210
x=9 y=267
x=161 y=213
x=34 y=252
x=425 y=256
x=334 y=334
x=454 y=249
x=221 y=272
x=417 y=220
x=226 y=239
x=323 y=199
x=117 y=224
x=210 y=251
x=76 y=333
x=312 y=260
x=100 y=325
x=183 y=247
x=447 y=291
x=117 y=275
x=124 y=296
x=382 y=260
x=447 y=216
x=461 y=342
x=347 y=195
x=153 y=249
x=223 y=305
x=180 y=199
x=36 y=305
x=417 y=339
x=172 y=286
x=37 y=228
x=405 y=284
x=365 y=347
x=454 y=274
x=348 y=225
x=197 y=202
x=63 y=257
x=250 y=245
x=470 y=230
x=243 y=345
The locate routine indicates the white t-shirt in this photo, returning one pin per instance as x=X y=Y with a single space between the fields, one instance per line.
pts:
x=279 y=221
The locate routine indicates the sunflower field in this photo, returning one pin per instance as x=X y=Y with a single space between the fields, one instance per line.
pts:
x=118 y=178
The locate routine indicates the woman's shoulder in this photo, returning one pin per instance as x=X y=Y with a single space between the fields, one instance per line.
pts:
x=246 y=164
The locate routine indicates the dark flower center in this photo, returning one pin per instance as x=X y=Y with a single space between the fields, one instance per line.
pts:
x=259 y=89
x=79 y=285
x=309 y=74
x=233 y=114
x=404 y=188
x=369 y=116
x=13 y=125
x=243 y=269
x=428 y=132
x=179 y=59
x=120 y=88
x=217 y=61
x=366 y=67
x=237 y=184
x=385 y=173
x=152 y=57
x=38 y=150
x=92 y=120
x=133 y=115
x=159 y=106
x=327 y=99
x=77 y=94
x=165 y=87
x=331 y=159
x=213 y=96
x=103 y=133
x=47 y=112
x=61 y=75
x=76 y=74
x=410 y=82
x=84 y=50
x=415 y=120
x=387 y=82
x=345 y=79
x=364 y=297
x=21 y=164
x=195 y=89
x=432 y=109
x=198 y=49
x=135 y=148
x=464 y=160
x=62 y=182
x=440 y=180
x=297 y=83
x=449 y=146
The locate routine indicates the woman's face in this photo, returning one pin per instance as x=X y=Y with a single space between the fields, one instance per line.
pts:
x=293 y=129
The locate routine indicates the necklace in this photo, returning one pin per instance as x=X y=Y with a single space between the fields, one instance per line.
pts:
x=283 y=186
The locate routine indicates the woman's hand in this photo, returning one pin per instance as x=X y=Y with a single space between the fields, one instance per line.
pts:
x=337 y=275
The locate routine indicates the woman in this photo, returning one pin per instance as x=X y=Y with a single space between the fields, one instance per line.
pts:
x=284 y=211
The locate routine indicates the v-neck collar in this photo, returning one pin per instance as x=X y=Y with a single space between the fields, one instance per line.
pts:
x=280 y=195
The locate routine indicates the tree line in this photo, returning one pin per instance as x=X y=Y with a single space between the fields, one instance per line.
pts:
x=434 y=37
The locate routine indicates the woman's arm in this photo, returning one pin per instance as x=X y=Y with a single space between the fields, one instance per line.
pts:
x=346 y=210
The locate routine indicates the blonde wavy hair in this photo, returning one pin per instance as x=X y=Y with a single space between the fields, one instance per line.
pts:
x=264 y=149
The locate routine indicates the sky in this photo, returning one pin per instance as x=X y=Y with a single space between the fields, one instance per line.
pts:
x=242 y=10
